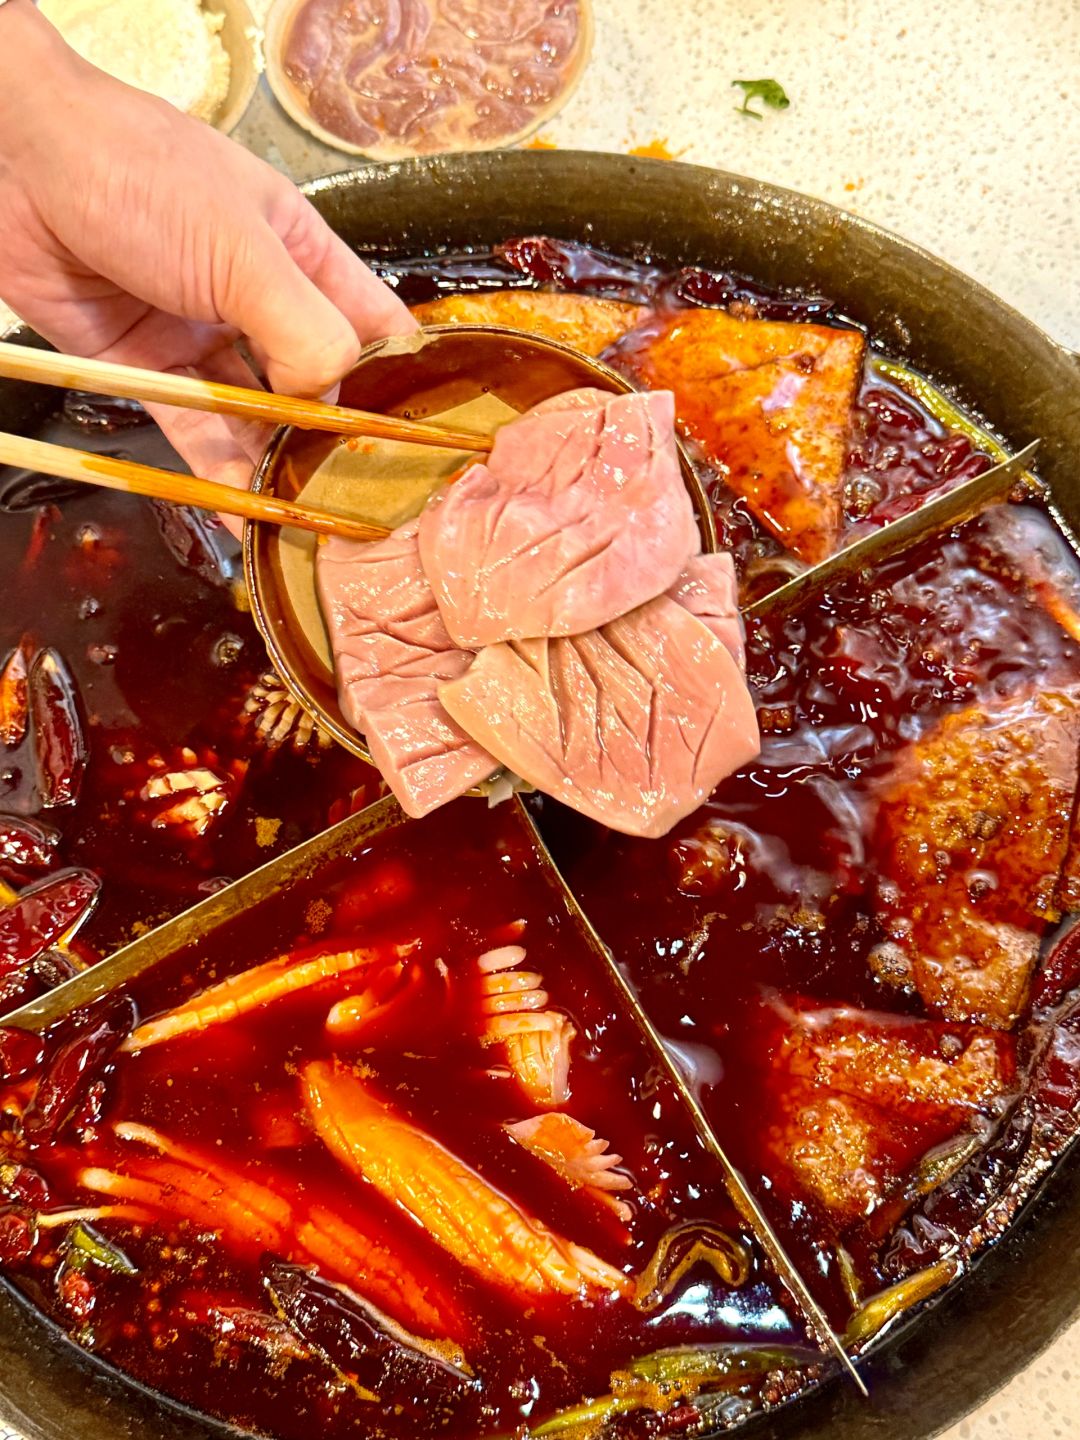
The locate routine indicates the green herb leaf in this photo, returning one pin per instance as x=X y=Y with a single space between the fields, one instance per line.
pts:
x=581 y=1422
x=769 y=92
x=85 y=1246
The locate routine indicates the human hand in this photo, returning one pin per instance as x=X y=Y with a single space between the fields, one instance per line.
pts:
x=131 y=232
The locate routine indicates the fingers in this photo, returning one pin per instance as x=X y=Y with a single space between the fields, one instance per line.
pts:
x=227 y=367
x=209 y=448
x=369 y=305
x=165 y=342
x=307 y=342
x=217 y=447
x=304 y=300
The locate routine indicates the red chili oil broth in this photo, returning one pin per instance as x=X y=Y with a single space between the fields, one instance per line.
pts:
x=140 y=608
x=768 y=889
x=139 y=601
x=454 y=885
x=777 y=899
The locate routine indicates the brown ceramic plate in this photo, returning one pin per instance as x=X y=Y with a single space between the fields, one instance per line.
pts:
x=471 y=376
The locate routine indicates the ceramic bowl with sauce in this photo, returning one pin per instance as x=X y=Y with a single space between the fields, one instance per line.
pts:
x=239 y=35
x=469 y=376
x=393 y=119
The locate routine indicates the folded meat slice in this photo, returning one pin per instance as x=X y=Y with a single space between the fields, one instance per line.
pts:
x=579 y=515
x=972 y=833
x=708 y=587
x=633 y=724
x=850 y=1100
x=770 y=404
x=391 y=651
x=586 y=322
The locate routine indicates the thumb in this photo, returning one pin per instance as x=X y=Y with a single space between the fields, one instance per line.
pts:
x=304 y=340
x=370 y=306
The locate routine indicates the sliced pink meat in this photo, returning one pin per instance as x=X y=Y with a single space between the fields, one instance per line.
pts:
x=579 y=516
x=634 y=724
x=391 y=650
x=708 y=588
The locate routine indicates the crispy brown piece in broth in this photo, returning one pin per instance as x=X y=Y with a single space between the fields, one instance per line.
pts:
x=769 y=403
x=585 y=322
x=972 y=835
x=855 y=1098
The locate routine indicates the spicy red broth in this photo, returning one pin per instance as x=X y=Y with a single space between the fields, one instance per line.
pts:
x=795 y=940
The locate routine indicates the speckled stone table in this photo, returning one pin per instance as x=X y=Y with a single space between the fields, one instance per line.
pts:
x=955 y=124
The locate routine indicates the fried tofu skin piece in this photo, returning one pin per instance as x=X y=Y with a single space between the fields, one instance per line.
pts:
x=853 y=1099
x=972 y=835
x=769 y=403
x=582 y=321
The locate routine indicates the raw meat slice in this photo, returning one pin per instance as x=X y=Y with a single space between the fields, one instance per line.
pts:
x=972 y=833
x=709 y=589
x=390 y=651
x=403 y=77
x=586 y=322
x=770 y=404
x=633 y=725
x=579 y=515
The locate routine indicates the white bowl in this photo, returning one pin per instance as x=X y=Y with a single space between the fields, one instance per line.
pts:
x=292 y=101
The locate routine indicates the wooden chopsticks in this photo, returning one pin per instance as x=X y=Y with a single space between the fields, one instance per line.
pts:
x=180 y=489
x=100 y=377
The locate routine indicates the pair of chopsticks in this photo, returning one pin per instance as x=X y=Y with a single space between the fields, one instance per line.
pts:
x=153 y=387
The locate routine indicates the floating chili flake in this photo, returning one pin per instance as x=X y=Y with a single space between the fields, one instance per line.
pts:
x=46 y=516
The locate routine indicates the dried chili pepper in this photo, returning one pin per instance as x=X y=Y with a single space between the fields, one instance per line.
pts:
x=18 y=1234
x=358 y=1340
x=26 y=844
x=59 y=743
x=19 y=1185
x=21 y=1053
x=74 y=1068
x=42 y=914
x=13 y=695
